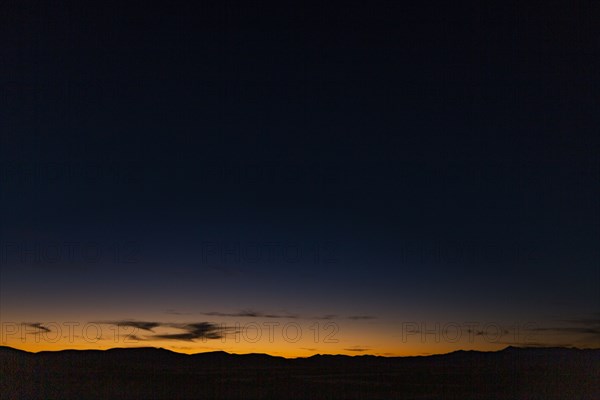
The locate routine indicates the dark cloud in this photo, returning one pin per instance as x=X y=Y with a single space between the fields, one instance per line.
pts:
x=135 y=338
x=567 y=329
x=248 y=314
x=187 y=331
x=580 y=330
x=358 y=349
x=199 y=330
x=143 y=325
x=536 y=344
x=287 y=316
x=223 y=314
x=39 y=326
x=584 y=326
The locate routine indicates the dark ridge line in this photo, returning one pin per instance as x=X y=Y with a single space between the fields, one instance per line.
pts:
x=318 y=355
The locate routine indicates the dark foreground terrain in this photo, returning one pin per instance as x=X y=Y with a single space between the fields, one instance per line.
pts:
x=148 y=373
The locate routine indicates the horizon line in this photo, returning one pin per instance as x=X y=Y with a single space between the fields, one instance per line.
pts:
x=313 y=355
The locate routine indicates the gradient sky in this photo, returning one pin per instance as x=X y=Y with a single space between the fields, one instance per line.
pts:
x=400 y=179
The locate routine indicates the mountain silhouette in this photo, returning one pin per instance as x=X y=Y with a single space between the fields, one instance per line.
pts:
x=140 y=373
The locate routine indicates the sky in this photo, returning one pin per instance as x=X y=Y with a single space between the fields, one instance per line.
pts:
x=300 y=178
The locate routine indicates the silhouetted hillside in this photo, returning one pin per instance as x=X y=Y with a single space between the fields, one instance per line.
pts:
x=140 y=373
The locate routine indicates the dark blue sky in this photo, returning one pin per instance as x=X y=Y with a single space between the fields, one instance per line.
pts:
x=424 y=162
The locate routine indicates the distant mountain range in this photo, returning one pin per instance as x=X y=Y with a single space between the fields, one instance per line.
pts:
x=140 y=373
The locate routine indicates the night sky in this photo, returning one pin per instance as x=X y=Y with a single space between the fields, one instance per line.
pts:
x=353 y=178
